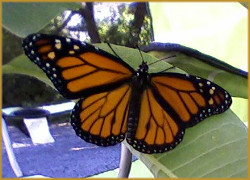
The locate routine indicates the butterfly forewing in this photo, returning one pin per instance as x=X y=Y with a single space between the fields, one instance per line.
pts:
x=76 y=68
x=192 y=98
x=102 y=118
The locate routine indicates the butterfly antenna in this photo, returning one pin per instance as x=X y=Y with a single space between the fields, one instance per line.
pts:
x=162 y=59
x=113 y=50
x=167 y=69
x=140 y=53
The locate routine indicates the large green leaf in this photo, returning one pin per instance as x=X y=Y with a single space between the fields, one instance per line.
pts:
x=25 y=18
x=22 y=65
x=217 y=147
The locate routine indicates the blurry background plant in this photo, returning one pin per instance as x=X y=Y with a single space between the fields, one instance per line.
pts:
x=217 y=29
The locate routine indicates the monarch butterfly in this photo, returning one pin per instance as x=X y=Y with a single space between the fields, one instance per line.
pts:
x=150 y=110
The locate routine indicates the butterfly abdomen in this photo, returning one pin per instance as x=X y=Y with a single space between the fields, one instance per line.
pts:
x=138 y=84
x=134 y=111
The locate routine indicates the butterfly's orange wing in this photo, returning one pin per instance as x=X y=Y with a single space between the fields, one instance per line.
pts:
x=102 y=118
x=158 y=130
x=192 y=98
x=171 y=104
x=76 y=68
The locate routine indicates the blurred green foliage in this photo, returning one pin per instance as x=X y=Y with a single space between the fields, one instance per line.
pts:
x=12 y=48
x=121 y=31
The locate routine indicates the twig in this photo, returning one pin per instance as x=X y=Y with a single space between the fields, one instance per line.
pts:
x=125 y=162
x=9 y=149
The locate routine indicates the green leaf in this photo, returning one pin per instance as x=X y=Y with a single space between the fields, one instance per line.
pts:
x=22 y=65
x=25 y=18
x=134 y=58
x=245 y=4
x=216 y=147
x=240 y=108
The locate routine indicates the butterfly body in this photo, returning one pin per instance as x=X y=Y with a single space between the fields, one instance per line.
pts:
x=139 y=84
x=150 y=110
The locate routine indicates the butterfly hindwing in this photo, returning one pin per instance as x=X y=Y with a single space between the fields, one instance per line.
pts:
x=76 y=68
x=102 y=118
x=192 y=98
x=157 y=130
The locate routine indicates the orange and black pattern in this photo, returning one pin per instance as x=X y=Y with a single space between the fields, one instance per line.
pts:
x=157 y=129
x=102 y=118
x=150 y=111
x=75 y=67
x=192 y=98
